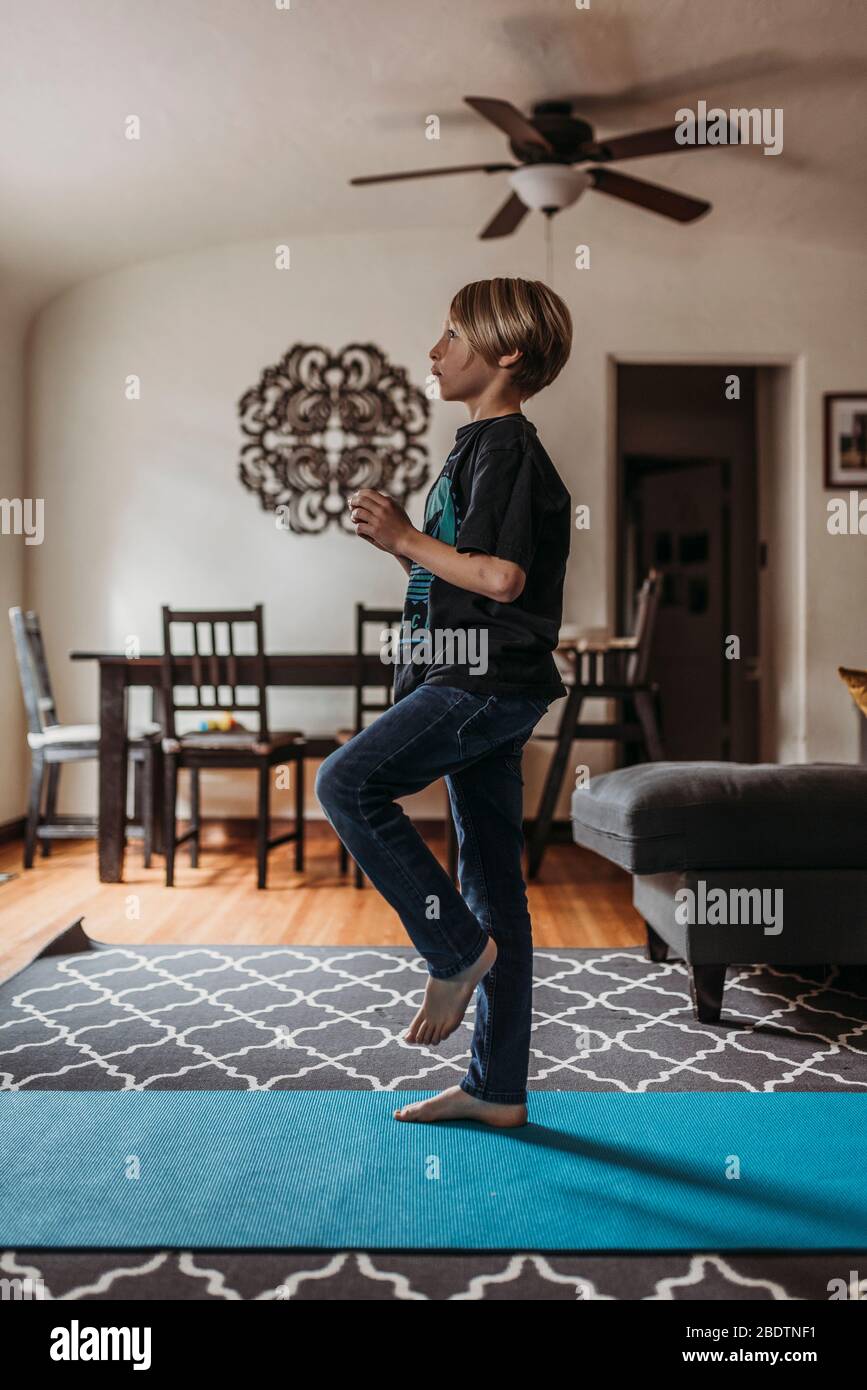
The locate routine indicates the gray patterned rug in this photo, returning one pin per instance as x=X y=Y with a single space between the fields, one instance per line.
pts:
x=101 y=1017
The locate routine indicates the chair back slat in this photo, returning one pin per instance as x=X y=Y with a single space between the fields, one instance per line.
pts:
x=365 y=618
x=645 y=623
x=231 y=663
x=213 y=664
x=33 y=671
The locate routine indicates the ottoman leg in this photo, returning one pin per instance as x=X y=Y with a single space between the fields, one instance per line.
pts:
x=706 y=984
x=657 y=949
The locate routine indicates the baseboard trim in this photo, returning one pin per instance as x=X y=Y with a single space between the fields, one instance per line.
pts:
x=12 y=830
x=244 y=827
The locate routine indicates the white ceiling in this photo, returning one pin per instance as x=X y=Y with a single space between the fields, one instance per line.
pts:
x=253 y=118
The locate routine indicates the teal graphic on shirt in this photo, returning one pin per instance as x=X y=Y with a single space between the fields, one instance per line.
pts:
x=441 y=522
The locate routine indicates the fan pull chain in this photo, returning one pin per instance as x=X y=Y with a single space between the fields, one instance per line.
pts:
x=549 y=251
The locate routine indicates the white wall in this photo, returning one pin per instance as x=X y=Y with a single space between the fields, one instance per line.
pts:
x=143 y=505
x=13 y=320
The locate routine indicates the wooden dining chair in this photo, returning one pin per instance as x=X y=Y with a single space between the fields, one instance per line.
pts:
x=214 y=658
x=613 y=668
x=382 y=699
x=53 y=744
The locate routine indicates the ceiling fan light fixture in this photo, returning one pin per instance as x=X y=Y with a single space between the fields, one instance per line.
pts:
x=554 y=186
x=547 y=146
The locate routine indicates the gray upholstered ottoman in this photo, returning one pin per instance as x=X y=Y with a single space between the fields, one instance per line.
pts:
x=737 y=863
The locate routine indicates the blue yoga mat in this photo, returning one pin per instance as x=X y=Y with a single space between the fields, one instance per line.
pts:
x=333 y=1169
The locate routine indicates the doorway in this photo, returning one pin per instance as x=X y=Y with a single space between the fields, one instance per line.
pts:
x=688 y=505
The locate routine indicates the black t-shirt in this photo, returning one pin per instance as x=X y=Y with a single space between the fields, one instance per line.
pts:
x=498 y=494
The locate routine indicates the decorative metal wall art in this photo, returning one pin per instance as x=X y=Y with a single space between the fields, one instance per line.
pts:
x=321 y=425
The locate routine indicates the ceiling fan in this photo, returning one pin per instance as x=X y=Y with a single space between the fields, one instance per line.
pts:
x=547 y=144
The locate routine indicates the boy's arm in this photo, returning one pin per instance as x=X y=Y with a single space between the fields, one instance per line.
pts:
x=378 y=518
x=401 y=559
x=481 y=574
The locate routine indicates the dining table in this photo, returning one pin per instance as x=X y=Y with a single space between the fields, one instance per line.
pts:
x=118 y=673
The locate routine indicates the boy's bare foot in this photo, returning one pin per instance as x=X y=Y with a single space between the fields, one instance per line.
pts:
x=457 y=1104
x=445 y=1001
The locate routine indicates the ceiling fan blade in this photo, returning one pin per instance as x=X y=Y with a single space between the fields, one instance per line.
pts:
x=648 y=195
x=433 y=173
x=508 y=118
x=506 y=220
x=709 y=80
x=659 y=141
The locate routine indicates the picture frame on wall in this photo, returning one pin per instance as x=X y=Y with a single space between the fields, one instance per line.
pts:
x=846 y=439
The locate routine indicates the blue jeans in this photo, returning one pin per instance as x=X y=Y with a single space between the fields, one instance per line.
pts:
x=475 y=742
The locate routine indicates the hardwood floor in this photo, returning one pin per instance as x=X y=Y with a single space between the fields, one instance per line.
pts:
x=580 y=900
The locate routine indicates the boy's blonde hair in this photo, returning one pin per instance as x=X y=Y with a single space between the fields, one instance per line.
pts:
x=501 y=316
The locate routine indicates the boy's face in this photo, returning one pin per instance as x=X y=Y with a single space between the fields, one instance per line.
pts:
x=460 y=378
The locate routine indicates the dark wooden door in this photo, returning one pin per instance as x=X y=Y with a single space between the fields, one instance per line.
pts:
x=678 y=519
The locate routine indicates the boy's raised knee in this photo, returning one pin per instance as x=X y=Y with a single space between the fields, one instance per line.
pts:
x=331 y=784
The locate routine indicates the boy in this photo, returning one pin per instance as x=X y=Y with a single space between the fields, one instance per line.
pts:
x=485 y=575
